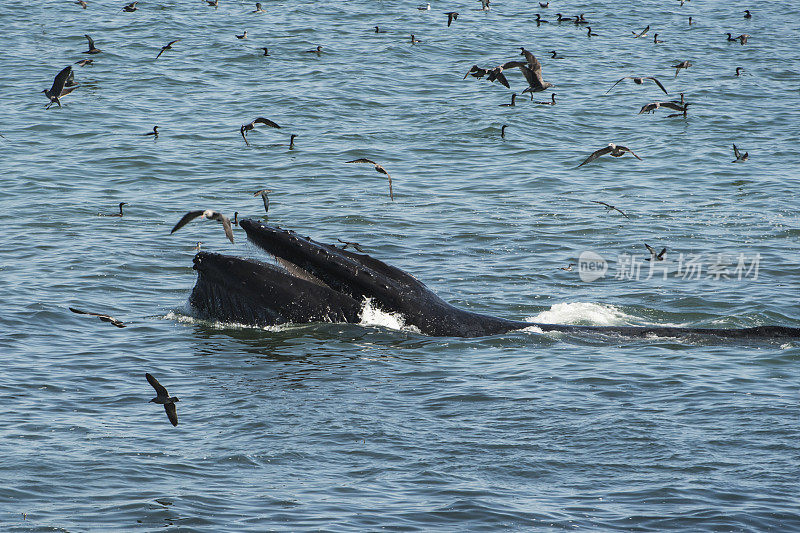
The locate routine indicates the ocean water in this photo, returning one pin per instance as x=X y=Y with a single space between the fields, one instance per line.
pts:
x=360 y=427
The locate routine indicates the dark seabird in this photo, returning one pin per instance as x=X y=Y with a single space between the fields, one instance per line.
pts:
x=743 y=38
x=580 y=20
x=513 y=101
x=503 y=131
x=114 y=214
x=690 y=21
x=561 y=18
x=476 y=72
x=353 y=244
x=264 y=193
x=747 y=14
x=414 y=40
x=610 y=207
x=641 y=33
x=651 y=108
x=682 y=112
x=209 y=214
x=485 y=5
x=540 y=20
x=242 y=36
x=451 y=16
x=496 y=73
x=730 y=37
x=533 y=74
x=154 y=133
x=213 y=3
x=555 y=55
x=653 y=255
x=167 y=47
x=613 y=150
x=92 y=49
x=266 y=51
x=378 y=168
x=259 y=9
x=639 y=81
x=552 y=100
x=679 y=66
x=84 y=62
x=656 y=40
x=130 y=8
x=81 y=3
x=740 y=158
x=235 y=220
x=739 y=71
x=59 y=88
x=544 y=5
x=199 y=245
x=247 y=127
x=567 y=268
x=378 y=30
x=163 y=397
x=105 y=318
x=291 y=141
x=71 y=80
x=317 y=50
x=590 y=33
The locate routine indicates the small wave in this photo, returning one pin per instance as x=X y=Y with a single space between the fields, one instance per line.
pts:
x=178 y=316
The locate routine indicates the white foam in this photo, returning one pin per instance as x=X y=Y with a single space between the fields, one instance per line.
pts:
x=216 y=324
x=373 y=316
x=584 y=313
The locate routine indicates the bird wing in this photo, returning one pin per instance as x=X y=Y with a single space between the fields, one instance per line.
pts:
x=661 y=253
x=226 y=224
x=648 y=107
x=531 y=59
x=626 y=149
x=173 y=42
x=160 y=390
x=188 y=217
x=595 y=155
x=650 y=249
x=362 y=160
x=474 y=68
x=242 y=130
x=162 y=51
x=672 y=105
x=658 y=83
x=736 y=152
x=268 y=122
x=380 y=169
x=615 y=83
x=83 y=312
x=502 y=79
x=513 y=64
x=91 y=42
x=67 y=90
x=172 y=413
x=60 y=81
x=602 y=203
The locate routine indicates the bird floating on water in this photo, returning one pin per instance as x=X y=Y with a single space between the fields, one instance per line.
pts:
x=513 y=101
x=105 y=318
x=552 y=100
x=130 y=8
x=739 y=71
x=426 y=7
x=166 y=47
x=248 y=127
x=378 y=168
x=567 y=268
x=485 y=5
x=656 y=40
x=639 y=80
x=266 y=51
x=259 y=9
x=503 y=131
x=653 y=255
x=641 y=33
x=154 y=133
x=242 y=36
x=317 y=50
x=682 y=111
x=213 y=3
x=747 y=14
x=613 y=150
x=378 y=30
x=291 y=141
x=610 y=207
x=163 y=398
x=114 y=214
x=590 y=33
x=59 y=88
x=84 y=62
x=555 y=55
x=679 y=66
x=539 y=20
x=741 y=38
x=740 y=158
x=414 y=40
x=451 y=16
x=208 y=214
x=92 y=49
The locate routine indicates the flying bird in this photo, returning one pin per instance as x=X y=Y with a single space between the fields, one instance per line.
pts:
x=639 y=81
x=451 y=16
x=247 y=127
x=740 y=158
x=613 y=150
x=92 y=49
x=533 y=74
x=378 y=168
x=105 y=318
x=651 y=107
x=476 y=72
x=641 y=33
x=167 y=47
x=209 y=214
x=653 y=255
x=114 y=214
x=163 y=397
x=84 y=62
x=59 y=87
x=610 y=207
x=81 y=3
x=264 y=193
x=353 y=244
x=679 y=66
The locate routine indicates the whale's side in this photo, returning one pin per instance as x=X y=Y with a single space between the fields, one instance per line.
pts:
x=317 y=282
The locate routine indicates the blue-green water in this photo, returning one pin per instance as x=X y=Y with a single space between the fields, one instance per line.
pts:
x=365 y=427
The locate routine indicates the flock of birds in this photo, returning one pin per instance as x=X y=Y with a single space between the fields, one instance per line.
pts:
x=530 y=68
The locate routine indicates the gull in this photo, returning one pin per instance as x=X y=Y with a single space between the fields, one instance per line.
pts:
x=264 y=197
x=639 y=81
x=747 y=14
x=317 y=50
x=740 y=158
x=154 y=133
x=209 y=214
x=651 y=108
x=641 y=33
x=426 y=7
x=167 y=47
x=513 y=101
x=59 y=88
x=114 y=214
x=378 y=168
x=247 y=127
x=533 y=74
x=567 y=268
x=163 y=397
x=130 y=8
x=259 y=9
x=353 y=244
x=656 y=40
x=552 y=100
x=555 y=55
x=743 y=38
x=414 y=40
x=242 y=36
x=496 y=73
x=613 y=150
x=451 y=16
x=92 y=49
x=653 y=255
x=590 y=33
x=81 y=3
x=679 y=66
x=105 y=318
x=610 y=207
x=84 y=62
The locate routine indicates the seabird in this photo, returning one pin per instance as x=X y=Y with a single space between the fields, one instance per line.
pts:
x=533 y=74
x=653 y=255
x=114 y=214
x=561 y=18
x=580 y=20
x=378 y=30
x=641 y=33
x=198 y=246
x=291 y=141
x=154 y=132
x=682 y=112
x=513 y=101
x=92 y=49
x=651 y=108
x=485 y=5
x=242 y=36
x=163 y=397
x=59 y=88
x=168 y=47
x=679 y=66
x=414 y=40
x=690 y=21
x=266 y=51
x=747 y=14
x=539 y=20
x=213 y=3
x=259 y=9
x=247 y=127
x=130 y=8
x=426 y=7
x=551 y=102
x=496 y=73
x=740 y=158
x=503 y=131
x=317 y=50
x=610 y=207
x=639 y=81
x=209 y=214
x=544 y=5
x=235 y=220
x=105 y=318
x=264 y=193
x=476 y=72
x=378 y=168
x=84 y=62
x=656 y=40
x=555 y=55
x=81 y=3
x=730 y=37
x=451 y=16
x=739 y=71
x=353 y=244
x=567 y=268
x=590 y=33
x=743 y=38
x=613 y=150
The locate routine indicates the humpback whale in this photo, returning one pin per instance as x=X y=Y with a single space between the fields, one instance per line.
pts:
x=316 y=282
